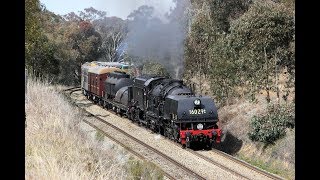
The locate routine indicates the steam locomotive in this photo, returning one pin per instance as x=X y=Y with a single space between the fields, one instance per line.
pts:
x=164 y=105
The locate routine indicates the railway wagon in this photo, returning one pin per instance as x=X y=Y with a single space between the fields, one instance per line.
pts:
x=84 y=75
x=96 y=76
x=123 y=66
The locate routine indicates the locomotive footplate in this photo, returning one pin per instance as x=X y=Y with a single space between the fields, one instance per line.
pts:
x=204 y=136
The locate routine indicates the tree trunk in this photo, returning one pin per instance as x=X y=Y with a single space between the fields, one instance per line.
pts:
x=267 y=72
x=277 y=79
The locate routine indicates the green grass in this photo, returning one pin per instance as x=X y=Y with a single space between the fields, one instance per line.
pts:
x=144 y=170
x=273 y=166
x=99 y=136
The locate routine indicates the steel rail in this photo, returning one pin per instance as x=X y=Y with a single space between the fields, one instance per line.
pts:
x=225 y=155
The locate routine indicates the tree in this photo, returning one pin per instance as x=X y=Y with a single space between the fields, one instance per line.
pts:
x=39 y=49
x=113 y=30
x=203 y=33
x=261 y=40
x=154 y=68
x=143 y=13
x=223 y=70
x=86 y=42
x=223 y=12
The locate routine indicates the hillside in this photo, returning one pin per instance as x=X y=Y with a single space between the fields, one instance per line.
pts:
x=235 y=116
x=240 y=53
x=278 y=158
x=57 y=146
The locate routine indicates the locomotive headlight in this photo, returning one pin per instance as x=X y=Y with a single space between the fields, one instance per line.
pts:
x=197 y=102
x=200 y=126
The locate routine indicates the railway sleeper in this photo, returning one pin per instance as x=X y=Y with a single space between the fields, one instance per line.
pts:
x=150 y=121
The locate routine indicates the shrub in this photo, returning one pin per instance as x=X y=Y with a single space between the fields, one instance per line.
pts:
x=272 y=126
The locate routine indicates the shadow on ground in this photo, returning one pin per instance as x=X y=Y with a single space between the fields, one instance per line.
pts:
x=102 y=115
x=230 y=144
x=84 y=105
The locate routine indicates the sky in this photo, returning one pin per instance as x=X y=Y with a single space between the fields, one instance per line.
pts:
x=119 y=8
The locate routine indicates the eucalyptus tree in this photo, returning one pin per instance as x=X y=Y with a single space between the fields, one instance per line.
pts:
x=262 y=41
x=39 y=50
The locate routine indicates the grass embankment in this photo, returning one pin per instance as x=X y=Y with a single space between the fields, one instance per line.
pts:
x=235 y=117
x=56 y=147
x=278 y=158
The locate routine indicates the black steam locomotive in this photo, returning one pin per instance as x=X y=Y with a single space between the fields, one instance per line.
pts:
x=166 y=106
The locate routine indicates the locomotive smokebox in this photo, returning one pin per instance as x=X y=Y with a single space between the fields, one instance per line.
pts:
x=191 y=108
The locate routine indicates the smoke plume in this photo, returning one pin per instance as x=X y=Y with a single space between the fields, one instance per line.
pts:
x=158 y=38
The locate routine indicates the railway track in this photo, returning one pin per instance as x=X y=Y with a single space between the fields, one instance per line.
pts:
x=210 y=160
x=243 y=163
x=238 y=161
x=122 y=144
x=179 y=165
x=217 y=164
x=176 y=163
x=73 y=88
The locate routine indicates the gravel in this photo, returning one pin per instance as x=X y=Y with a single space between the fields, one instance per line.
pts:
x=171 y=149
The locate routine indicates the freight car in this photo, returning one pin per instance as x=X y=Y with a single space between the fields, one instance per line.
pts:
x=123 y=66
x=164 y=105
x=93 y=76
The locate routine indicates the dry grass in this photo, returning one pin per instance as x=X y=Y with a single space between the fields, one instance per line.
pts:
x=235 y=118
x=56 y=147
x=278 y=158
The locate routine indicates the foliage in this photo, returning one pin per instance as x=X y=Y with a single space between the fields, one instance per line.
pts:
x=32 y=9
x=39 y=51
x=225 y=11
x=205 y=42
x=113 y=31
x=203 y=33
x=223 y=70
x=197 y=42
x=80 y=43
x=56 y=28
x=58 y=45
x=261 y=41
x=272 y=126
x=241 y=44
x=42 y=59
x=85 y=41
x=154 y=68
